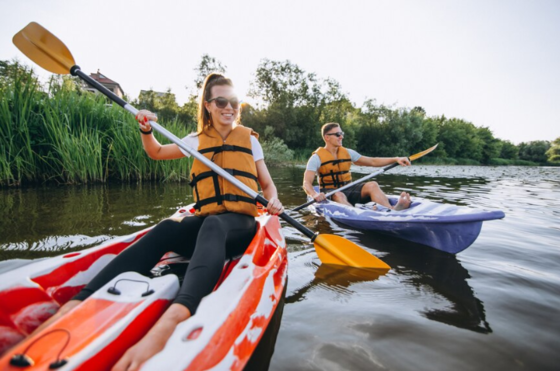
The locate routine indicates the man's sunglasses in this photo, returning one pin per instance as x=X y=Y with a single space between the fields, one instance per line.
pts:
x=222 y=102
x=338 y=134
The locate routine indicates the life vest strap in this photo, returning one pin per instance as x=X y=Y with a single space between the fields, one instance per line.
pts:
x=226 y=147
x=208 y=174
x=336 y=162
x=332 y=174
x=336 y=182
x=221 y=198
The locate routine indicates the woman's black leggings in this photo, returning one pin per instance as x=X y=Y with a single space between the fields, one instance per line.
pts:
x=206 y=241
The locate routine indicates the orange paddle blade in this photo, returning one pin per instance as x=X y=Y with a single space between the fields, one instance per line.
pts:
x=334 y=249
x=44 y=48
x=420 y=154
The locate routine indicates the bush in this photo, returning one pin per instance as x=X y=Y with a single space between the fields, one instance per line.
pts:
x=500 y=162
x=276 y=152
x=467 y=161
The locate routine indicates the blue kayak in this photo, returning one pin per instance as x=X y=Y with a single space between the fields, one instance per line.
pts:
x=445 y=227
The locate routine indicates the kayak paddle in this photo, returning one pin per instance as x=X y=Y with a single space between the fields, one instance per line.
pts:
x=389 y=167
x=46 y=50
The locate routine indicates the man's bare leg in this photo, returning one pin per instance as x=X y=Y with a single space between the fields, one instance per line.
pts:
x=341 y=198
x=374 y=192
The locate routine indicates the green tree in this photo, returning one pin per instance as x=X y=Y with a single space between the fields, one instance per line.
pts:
x=295 y=103
x=553 y=152
x=459 y=139
x=491 y=147
x=509 y=150
x=276 y=152
x=163 y=104
x=534 y=151
x=206 y=66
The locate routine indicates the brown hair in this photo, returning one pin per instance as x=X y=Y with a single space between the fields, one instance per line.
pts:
x=204 y=118
x=328 y=127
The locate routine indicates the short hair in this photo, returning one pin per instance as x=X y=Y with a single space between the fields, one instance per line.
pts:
x=328 y=127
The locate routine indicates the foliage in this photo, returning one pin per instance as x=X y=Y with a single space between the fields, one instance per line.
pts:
x=509 y=151
x=206 y=66
x=276 y=152
x=553 y=152
x=60 y=132
x=534 y=151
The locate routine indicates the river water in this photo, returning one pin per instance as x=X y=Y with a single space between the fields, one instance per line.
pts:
x=494 y=306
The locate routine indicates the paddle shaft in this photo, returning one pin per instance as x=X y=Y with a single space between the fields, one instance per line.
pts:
x=76 y=71
x=389 y=167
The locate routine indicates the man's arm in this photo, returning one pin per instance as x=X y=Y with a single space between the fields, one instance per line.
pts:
x=381 y=161
x=308 y=178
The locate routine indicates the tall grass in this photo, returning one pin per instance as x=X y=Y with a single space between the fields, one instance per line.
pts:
x=60 y=133
x=18 y=120
x=129 y=161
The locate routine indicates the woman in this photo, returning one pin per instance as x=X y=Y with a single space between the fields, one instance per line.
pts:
x=223 y=224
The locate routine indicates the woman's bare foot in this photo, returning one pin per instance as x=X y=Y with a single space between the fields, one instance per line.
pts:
x=403 y=203
x=154 y=341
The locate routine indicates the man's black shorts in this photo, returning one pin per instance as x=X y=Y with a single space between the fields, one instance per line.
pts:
x=354 y=194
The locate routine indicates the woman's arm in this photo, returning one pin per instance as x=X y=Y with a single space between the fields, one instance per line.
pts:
x=269 y=189
x=153 y=148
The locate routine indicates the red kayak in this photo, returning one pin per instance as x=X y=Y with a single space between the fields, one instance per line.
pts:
x=223 y=334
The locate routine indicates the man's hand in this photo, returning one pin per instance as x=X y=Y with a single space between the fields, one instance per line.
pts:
x=404 y=161
x=319 y=197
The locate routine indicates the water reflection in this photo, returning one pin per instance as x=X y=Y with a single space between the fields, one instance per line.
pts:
x=336 y=278
x=48 y=220
x=433 y=271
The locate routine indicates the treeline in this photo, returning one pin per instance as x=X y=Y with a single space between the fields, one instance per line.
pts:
x=59 y=132
x=294 y=104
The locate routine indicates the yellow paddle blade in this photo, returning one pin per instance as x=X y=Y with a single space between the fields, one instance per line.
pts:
x=420 y=154
x=334 y=249
x=44 y=48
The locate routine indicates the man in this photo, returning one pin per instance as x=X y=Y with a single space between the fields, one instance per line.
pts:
x=332 y=165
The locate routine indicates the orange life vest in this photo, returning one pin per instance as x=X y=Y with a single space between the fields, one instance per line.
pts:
x=334 y=173
x=212 y=193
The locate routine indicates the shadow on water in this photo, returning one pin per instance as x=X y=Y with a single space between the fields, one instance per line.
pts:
x=422 y=267
x=261 y=357
x=442 y=273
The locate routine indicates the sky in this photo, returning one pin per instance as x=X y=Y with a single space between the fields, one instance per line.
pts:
x=494 y=63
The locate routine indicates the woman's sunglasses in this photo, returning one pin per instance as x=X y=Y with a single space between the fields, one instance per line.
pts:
x=222 y=102
x=338 y=134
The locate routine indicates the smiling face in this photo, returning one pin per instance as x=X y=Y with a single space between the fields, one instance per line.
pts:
x=332 y=139
x=222 y=116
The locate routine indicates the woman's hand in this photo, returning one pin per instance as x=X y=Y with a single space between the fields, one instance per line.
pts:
x=144 y=117
x=274 y=206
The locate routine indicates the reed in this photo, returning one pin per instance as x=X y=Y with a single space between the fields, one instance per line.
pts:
x=129 y=161
x=63 y=134
x=18 y=106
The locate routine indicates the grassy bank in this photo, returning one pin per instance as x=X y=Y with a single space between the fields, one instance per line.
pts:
x=61 y=134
